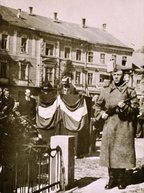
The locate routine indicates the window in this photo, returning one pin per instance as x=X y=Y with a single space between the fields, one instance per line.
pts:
x=90 y=78
x=78 y=55
x=102 y=58
x=4 y=42
x=114 y=59
x=48 y=74
x=124 y=60
x=3 y=70
x=23 y=71
x=49 y=49
x=78 y=75
x=103 y=77
x=90 y=56
x=67 y=52
x=24 y=45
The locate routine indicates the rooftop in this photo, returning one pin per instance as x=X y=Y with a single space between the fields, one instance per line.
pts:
x=58 y=27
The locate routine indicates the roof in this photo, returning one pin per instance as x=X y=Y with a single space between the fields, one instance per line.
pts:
x=61 y=28
x=138 y=59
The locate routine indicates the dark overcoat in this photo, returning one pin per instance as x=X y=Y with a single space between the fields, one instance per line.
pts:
x=118 y=147
x=28 y=108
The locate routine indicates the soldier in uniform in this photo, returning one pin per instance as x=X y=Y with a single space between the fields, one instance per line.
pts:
x=118 y=106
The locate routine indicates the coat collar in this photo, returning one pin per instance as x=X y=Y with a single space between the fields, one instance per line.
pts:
x=121 y=88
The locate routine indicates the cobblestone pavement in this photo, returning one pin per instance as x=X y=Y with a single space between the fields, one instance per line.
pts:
x=91 y=178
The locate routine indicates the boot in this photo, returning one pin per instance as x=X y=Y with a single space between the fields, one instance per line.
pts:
x=121 y=179
x=112 y=183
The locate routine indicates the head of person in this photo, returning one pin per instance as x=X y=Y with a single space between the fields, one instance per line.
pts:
x=6 y=92
x=27 y=92
x=65 y=81
x=118 y=75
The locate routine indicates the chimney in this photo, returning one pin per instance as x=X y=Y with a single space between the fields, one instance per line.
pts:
x=30 y=10
x=19 y=13
x=55 y=16
x=104 y=26
x=83 y=22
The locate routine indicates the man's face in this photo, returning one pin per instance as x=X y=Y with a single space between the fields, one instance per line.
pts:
x=6 y=93
x=27 y=93
x=117 y=76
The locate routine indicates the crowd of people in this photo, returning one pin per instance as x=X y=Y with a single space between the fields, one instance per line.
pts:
x=26 y=106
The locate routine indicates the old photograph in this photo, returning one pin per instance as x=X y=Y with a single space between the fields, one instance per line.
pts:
x=71 y=96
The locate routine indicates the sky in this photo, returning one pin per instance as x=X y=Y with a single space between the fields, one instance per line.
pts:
x=124 y=18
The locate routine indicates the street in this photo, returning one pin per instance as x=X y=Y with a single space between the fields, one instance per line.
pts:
x=91 y=178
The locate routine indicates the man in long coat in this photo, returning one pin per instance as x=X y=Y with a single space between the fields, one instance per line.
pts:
x=27 y=106
x=118 y=106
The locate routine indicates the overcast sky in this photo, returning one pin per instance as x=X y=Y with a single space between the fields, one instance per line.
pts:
x=124 y=18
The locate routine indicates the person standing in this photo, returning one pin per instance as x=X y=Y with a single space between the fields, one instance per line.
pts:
x=67 y=87
x=118 y=106
x=27 y=106
x=7 y=102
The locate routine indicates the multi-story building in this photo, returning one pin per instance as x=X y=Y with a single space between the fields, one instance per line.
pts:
x=34 y=49
x=138 y=75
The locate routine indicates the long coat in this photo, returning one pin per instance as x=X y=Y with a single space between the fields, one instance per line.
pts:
x=28 y=108
x=117 y=147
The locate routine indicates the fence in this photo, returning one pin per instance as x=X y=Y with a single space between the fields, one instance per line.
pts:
x=35 y=169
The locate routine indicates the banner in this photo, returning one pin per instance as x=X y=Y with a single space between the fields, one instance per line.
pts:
x=74 y=117
x=47 y=115
x=70 y=109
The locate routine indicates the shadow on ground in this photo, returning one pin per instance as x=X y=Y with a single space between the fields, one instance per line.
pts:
x=135 y=176
x=95 y=152
x=85 y=181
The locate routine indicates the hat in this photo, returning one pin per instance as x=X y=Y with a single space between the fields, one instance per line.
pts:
x=117 y=67
x=5 y=89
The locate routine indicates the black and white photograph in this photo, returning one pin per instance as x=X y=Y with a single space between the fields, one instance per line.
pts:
x=71 y=96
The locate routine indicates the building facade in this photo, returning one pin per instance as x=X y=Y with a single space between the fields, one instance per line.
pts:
x=35 y=49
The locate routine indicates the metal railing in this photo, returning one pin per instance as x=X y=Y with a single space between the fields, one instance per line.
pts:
x=36 y=168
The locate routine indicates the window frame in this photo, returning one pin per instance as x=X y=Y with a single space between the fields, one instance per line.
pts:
x=90 y=57
x=90 y=78
x=124 y=60
x=69 y=53
x=102 y=58
x=5 y=43
x=78 y=55
x=103 y=77
x=24 y=48
x=78 y=77
x=6 y=69
x=26 y=71
x=49 y=51
x=114 y=58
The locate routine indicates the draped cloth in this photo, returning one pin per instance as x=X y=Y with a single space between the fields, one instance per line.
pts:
x=71 y=109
